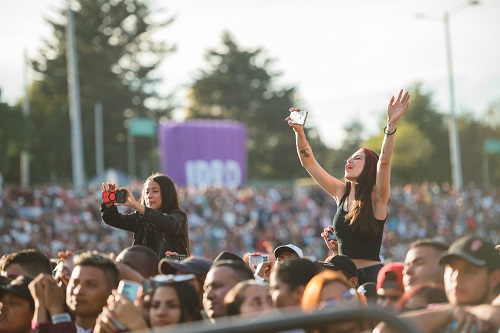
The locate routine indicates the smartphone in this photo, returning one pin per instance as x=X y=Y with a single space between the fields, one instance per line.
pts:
x=298 y=117
x=112 y=196
x=257 y=258
x=331 y=236
x=129 y=289
x=177 y=257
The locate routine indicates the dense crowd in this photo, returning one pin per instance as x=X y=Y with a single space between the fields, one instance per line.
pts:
x=56 y=218
x=64 y=269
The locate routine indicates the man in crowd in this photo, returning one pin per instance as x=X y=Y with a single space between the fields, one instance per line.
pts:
x=288 y=281
x=344 y=265
x=471 y=280
x=222 y=276
x=421 y=263
x=92 y=280
x=281 y=254
x=390 y=285
x=286 y=252
x=16 y=306
x=141 y=259
x=28 y=262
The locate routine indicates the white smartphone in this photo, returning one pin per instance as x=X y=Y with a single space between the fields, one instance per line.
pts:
x=257 y=258
x=298 y=117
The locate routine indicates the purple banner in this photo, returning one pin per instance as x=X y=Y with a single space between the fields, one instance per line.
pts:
x=204 y=152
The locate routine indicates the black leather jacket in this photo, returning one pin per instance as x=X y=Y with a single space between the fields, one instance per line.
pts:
x=159 y=231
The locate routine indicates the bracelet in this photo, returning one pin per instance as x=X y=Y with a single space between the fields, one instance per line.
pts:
x=389 y=133
x=303 y=145
x=60 y=318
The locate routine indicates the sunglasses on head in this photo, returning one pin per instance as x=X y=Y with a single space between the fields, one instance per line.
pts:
x=167 y=278
x=349 y=297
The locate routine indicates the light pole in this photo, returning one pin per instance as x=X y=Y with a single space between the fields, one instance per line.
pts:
x=455 y=156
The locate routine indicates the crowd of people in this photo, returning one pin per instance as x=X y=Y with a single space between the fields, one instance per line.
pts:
x=438 y=288
x=56 y=218
x=422 y=252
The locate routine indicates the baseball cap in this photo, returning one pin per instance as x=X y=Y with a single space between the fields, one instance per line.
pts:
x=225 y=255
x=288 y=247
x=475 y=250
x=384 y=279
x=190 y=265
x=340 y=262
x=19 y=287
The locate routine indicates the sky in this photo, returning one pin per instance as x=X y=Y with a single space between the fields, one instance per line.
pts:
x=346 y=58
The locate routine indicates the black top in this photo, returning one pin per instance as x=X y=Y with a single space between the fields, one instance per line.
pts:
x=159 y=231
x=355 y=245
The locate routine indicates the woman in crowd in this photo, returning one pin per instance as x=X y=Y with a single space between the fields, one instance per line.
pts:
x=362 y=199
x=247 y=299
x=167 y=303
x=328 y=289
x=158 y=220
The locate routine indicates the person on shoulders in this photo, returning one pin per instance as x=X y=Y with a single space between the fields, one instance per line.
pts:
x=362 y=199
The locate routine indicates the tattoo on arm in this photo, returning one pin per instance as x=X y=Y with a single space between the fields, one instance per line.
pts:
x=304 y=153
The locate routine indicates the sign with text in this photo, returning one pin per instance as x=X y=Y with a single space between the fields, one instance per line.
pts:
x=204 y=152
x=142 y=127
x=492 y=146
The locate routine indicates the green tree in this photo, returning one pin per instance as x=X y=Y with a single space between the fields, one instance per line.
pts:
x=12 y=132
x=117 y=56
x=412 y=151
x=240 y=85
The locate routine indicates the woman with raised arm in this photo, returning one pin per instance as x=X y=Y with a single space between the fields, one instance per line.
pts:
x=361 y=198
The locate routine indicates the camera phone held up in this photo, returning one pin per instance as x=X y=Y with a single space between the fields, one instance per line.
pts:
x=112 y=196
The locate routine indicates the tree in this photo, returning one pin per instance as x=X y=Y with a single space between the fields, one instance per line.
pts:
x=413 y=150
x=240 y=85
x=433 y=125
x=117 y=56
x=12 y=132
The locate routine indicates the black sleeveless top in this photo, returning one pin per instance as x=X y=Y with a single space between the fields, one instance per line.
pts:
x=355 y=245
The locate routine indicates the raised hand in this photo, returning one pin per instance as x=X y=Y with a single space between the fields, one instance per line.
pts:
x=398 y=107
x=296 y=127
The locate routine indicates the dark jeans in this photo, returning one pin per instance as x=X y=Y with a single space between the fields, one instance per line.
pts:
x=369 y=274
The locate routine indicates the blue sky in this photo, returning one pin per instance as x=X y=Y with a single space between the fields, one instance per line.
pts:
x=345 y=57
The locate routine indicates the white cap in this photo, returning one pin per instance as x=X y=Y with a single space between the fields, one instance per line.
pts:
x=292 y=247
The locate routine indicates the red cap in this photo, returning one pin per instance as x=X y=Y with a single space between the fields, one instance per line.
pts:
x=384 y=279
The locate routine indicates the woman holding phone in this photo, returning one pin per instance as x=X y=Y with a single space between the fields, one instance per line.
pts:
x=362 y=197
x=158 y=221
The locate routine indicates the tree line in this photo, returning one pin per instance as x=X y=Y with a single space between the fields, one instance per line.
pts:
x=118 y=55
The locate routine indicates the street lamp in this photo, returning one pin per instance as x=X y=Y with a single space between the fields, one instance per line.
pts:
x=456 y=160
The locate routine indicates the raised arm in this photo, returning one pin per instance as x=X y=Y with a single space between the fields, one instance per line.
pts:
x=395 y=110
x=330 y=184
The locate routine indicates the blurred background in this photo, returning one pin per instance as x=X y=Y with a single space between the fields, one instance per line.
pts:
x=96 y=90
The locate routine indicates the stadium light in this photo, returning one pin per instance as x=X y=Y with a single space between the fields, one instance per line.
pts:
x=455 y=156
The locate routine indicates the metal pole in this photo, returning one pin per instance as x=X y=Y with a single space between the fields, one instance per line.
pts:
x=456 y=161
x=131 y=154
x=74 y=104
x=99 y=141
x=25 y=155
x=486 y=171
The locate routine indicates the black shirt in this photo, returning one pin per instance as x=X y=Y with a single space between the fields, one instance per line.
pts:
x=354 y=245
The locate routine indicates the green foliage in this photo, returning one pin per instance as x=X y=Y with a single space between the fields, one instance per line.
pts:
x=12 y=132
x=239 y=85
x=117 y=56
x=412 y=153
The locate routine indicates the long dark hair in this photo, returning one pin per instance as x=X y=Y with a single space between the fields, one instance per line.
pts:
x=361 y=214
x=169 y=197
x=188 y=300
